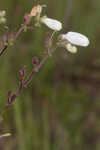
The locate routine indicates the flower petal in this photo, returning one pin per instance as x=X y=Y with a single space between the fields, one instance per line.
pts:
x=52 y=23
x=76 y=38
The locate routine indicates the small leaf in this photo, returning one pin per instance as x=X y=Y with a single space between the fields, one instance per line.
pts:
x=5 y=135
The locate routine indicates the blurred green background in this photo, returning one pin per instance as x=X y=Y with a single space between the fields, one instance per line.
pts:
x=60 y=109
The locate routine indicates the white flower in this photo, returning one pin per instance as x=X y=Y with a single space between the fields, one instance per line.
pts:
x=2 y=16
x=52 y=23
x=76 y=38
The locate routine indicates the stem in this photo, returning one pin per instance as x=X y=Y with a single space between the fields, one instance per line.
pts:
x=19 y=31
x=24 y=84
x=3 y=50
x=51 y=38
x=22 y=28
x=28 y=80
x=17 y=34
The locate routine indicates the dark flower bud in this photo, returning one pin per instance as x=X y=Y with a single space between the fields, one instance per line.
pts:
x=12 y=98
x=35 y=60
x=22 y=73
x=9 y=93
x=26 y=17
x=4 y=38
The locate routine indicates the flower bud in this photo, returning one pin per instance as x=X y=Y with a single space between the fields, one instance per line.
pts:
x=35 y=60
x=26 y=17
x=2 y=20
x=22 y=72
x=70 y=48
x=4 y=38
x=9 y=93
x=36 y=10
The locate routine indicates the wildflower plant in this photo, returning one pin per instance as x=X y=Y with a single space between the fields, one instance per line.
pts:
x=69 y=41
